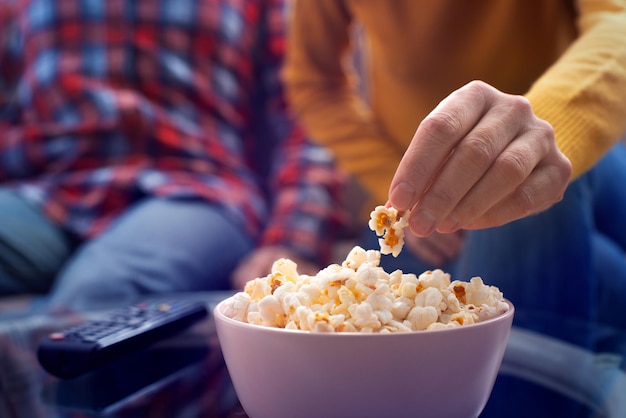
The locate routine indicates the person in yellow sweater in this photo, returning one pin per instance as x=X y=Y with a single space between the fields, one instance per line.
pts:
x=496 y=122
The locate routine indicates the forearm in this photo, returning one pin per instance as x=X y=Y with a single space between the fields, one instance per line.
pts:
x=582 y=95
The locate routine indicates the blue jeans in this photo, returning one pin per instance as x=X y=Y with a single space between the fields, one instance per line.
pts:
x=158 y=246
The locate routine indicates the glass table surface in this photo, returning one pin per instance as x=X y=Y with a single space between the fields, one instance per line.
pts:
x=552 y=367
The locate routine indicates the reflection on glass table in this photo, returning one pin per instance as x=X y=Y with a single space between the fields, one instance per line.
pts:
x=116 y=385
x=563 y=368
x=179 y=376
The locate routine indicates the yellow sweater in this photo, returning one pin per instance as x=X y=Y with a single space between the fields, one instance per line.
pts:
x=569 y=60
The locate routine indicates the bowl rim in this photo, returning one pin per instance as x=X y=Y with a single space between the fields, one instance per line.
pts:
x=219 y=315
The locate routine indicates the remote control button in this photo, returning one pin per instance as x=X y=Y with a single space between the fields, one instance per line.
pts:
x=57 y=336
x=90 y=339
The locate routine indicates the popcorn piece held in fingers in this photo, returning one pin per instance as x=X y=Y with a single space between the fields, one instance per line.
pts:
x=389 y=224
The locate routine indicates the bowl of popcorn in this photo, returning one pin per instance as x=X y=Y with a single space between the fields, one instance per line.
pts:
x=357 y=341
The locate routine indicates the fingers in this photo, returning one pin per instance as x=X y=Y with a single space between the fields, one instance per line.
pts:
x=543 y=188
x=505 y=174
x=243 y=274
x=434 y=140
x=485 y=155
x=306 y=267
x=435 y=249
x=429 y=255
x=238 y=282
x=256 y=264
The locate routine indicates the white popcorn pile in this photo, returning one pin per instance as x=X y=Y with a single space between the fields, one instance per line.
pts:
x=389 y=224
x=359 y=296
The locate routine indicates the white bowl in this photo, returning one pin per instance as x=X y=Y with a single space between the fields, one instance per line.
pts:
x=279 y=373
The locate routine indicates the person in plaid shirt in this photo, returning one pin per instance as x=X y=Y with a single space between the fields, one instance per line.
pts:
x=145 y=146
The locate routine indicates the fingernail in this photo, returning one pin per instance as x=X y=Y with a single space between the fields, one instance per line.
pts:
x=450 y=224
x=402 y=196
x=423 y=223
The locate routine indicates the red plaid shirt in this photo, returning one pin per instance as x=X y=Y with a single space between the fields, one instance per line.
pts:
x=104 y=102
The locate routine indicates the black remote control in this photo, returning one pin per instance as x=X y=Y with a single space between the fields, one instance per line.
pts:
x=76 y=350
